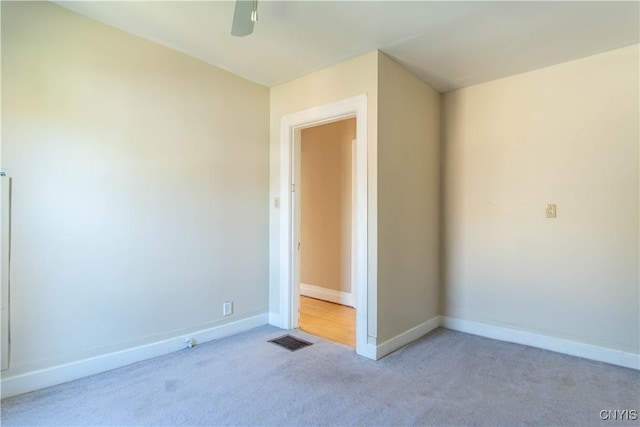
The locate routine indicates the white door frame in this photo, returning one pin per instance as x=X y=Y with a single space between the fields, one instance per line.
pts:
x=290 y=135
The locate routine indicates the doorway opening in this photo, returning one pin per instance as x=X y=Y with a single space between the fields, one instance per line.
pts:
x=327 y=297
x=291 y=129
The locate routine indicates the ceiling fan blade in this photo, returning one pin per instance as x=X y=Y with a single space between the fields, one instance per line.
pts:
x=242 y=23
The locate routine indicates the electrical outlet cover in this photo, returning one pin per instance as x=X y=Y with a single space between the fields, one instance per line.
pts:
x=227 y=308
x=551 y=210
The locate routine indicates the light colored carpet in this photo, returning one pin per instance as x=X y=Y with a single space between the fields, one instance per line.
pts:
x=446 y=378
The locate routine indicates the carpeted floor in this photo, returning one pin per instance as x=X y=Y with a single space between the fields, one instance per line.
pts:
x=446 y=378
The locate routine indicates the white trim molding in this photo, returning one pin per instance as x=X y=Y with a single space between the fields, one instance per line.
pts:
x=289 y=272
x=36 y=380
x=369 y=351
x=274 y=319
x=325 y=294
x=559 y=345
x=406 y=337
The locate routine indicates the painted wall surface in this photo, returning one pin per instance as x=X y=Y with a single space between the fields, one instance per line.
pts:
x=355 y=77
x=140 y=188
x=408 y=200
x=325 y=228
x=566 y=134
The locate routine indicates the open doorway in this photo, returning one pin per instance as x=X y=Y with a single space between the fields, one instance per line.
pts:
x=289 y=221
x=327 y=297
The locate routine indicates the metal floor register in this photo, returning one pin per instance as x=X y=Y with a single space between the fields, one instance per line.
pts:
x=290 y=343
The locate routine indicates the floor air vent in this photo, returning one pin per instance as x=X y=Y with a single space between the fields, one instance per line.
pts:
x=290 y=343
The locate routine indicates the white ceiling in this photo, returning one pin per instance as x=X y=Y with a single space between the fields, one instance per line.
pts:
x=448 y=44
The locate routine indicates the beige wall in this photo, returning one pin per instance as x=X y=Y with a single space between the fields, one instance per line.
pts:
x=135 y=172
x=408 y=200
x=140 y=191
x=566 y=134
x=357 y=76
x=325 y=228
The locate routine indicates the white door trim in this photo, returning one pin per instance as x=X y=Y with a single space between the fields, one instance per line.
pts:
x=290 y=130
x=354 y=223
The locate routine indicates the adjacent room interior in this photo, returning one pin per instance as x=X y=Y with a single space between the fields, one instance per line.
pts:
x=327 y=300
x=442 y=197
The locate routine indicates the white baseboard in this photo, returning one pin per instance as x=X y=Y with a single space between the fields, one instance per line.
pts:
x=318 y=292
x=559 y=345
x=406 y=337
x=368 y=351
x=275 y=319
x=36 y=380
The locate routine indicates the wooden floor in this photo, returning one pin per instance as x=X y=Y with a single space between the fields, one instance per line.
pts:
x=333 y=322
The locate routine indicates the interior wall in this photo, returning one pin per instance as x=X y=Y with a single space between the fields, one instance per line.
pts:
x=351 y=78
x=408 y=200
x=140 y=188
x=325 y=228
x=566 y=134
x=135 y=172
